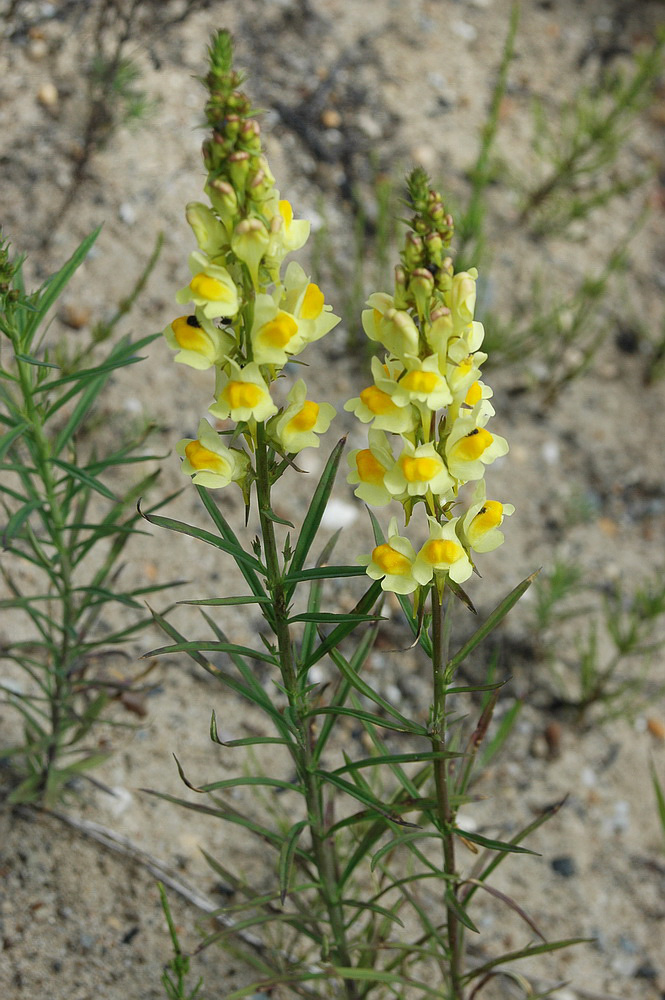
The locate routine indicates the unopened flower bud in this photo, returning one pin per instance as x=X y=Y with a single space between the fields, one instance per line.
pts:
x=421 y=287
x=401 y=292
x=249 y=243
x=434 y=249
x=239 y=164
x=413 y=250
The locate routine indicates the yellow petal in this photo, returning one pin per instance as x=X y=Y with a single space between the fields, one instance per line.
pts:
x=390 y=560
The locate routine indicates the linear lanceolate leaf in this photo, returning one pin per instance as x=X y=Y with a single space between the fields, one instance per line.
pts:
x=286 y=855
x=323 y=573
x=505 y=847
x=76 y=472
x=54 y=285
x=230 y=538
x=491 y=623
x=8 y=438
x=528 y=952
x=329 y=617
x=214 y=602
x=209 y=646
x=396 y=758
x=369 y=717
x=17 y=520
x=122 y=355
x=367 y=601
x=241 y=557
x=359 y=684
x=403 y=840
x=315 y=512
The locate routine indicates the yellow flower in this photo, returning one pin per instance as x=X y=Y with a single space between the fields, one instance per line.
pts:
x=306 y=302
x=393 y=560
x=442 y=553
x=250 y=243
x=286 y=233
x=200 y=344
x=369 y=467
x=480 y=525
x=242 y=394
x=301 y=421
x=419 y=470
x=275 y=334
x=209 y=232
x=211 y=289
x=421 y=382
x=470 y=446
x=209 y=462
x=461 y=298
x=394 y=328
x=377 y=404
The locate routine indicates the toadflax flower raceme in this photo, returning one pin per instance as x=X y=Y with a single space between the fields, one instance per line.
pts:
x=427 y=398
x=246 y=320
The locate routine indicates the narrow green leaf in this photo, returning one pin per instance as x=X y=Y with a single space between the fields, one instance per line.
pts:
x=55 y=284
x=356 y=682
x=327 y=618
x=82 y=476
x=454 y=906
x=396 y=758
x=514 y=956
x=314 y=599
x=34 y=361
x=241 y=557
x=215 y=602
x=229 y=536
x=286 y=856
x=374 y=720
x=356 y=793
x=207 y=646
x=404 y=840
x=18 y=518
x=315 y=512
x=363 y=905
x=490 y=624
x=9 y=437
x=272 y=516
x=322 y=573
x=494 y=845
x=660 y=796
x=367 y=601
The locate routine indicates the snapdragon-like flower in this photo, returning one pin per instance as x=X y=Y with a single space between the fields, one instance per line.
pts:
x=394 y=328
x=479 y=527
x=211 y=289
x=276 y=334
x=470 y=446
x=369 y=467
x=199 y=343
x=393 y=561
x=442 y=553
x=419 y=470
x=301 y=421
x=242 y=394
x=209 y=462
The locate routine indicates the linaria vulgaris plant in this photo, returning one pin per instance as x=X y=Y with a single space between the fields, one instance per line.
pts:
x=64 y=532
x=370 y=896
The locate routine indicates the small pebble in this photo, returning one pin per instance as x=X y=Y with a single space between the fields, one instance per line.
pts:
x=656 y=728
x=551 y=452
x=48 y=96
x=331 y=118
x=127 y=214
x=37 y=49
x=75 y=316
x=564 y=866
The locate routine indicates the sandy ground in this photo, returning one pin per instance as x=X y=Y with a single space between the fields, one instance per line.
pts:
x=350 y=89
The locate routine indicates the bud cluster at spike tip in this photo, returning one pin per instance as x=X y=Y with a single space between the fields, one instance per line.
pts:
x=428 y=410
x=246 y=319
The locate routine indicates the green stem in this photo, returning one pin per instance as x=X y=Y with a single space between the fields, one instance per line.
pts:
x=59 y=694
x=304 y=749
x=440 y=638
